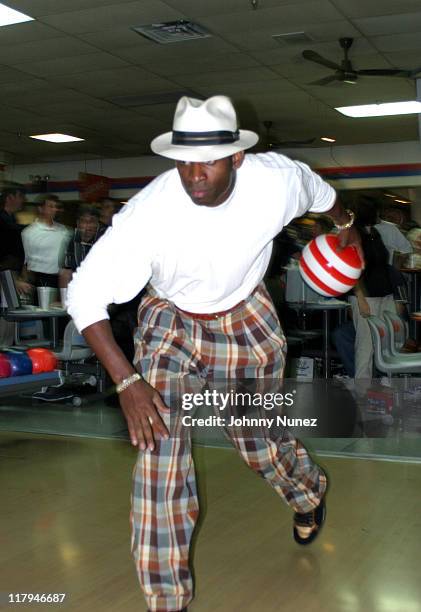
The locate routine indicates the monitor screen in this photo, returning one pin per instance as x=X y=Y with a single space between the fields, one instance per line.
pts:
x=9 y=295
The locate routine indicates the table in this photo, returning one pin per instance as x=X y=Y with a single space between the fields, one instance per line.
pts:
x=33 y=312
x=15 y=385
x=325 y=307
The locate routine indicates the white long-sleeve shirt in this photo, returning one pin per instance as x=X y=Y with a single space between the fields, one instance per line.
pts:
x=203 y=259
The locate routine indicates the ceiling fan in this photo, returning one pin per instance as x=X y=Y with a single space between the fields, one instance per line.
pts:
x=345 y=72
x=272 y=144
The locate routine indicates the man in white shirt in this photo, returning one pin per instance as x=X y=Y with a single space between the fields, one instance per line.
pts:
x=394 y=241
x=45 y=242
x=201 y=235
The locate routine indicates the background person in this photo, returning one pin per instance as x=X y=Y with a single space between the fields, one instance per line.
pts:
x=45 y=243
x=12 y=255
x=398 y=246
x=107 y=209
x=321 y=225
x=374 y=292
x=86 y=233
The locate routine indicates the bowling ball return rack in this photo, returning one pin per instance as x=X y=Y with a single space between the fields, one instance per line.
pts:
x=17 y=385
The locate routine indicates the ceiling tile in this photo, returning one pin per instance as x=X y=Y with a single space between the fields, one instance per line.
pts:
x=276 y=87
x=369 y=8
x=404 y=59
x=72 y=65
x=11 y=75
x=113 y=15
x=124 y=81
x=390 y=24
x=26 y=32
x=285 y=17
x=187 y=51
x=44 y=50
x=206 y=8
x=202 y=65
x=398 y=42
x=37 y=8
x=224 y=77
x=116 y=38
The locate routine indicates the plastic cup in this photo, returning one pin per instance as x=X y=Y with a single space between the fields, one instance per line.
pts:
x=63 y=296
x=45 y=297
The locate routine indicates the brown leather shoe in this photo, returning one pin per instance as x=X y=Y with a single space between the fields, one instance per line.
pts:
x=307 y=525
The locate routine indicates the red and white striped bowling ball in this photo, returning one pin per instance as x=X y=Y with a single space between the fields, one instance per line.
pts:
x=327 y=269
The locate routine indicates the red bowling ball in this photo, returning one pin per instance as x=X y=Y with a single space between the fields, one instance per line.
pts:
x=43 y=360
x=327 y=269
x=5 y=368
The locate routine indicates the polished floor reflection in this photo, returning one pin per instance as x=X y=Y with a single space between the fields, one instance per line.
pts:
x=64 y=517
x=388 y=439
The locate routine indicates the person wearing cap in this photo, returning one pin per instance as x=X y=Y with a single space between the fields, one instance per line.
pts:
x=201 y=236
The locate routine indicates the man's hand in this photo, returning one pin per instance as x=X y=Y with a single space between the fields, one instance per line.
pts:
x=363 y=307
x=351 y=237
x=23 y=287
x=140 y=403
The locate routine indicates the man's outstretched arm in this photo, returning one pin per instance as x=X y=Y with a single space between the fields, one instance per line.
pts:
x=350 y=235
x=139 y=401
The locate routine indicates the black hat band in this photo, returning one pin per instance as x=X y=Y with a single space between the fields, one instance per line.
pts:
x=204 y=138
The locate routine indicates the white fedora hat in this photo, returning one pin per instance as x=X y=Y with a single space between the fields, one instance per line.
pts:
x=203 y=130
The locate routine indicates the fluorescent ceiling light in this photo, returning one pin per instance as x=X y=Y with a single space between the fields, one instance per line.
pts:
x=327 y=139
x=381 y=110
x=56 y=138
x=9 y=16
x=403 y=201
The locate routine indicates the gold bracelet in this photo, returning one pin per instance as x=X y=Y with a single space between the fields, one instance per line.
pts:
x=126 y=382
x=349 y=223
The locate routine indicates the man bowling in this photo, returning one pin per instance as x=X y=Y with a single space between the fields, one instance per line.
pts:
x=200 y=236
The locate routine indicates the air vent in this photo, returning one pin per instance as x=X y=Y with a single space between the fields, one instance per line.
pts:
x=152 y=99
x=173 y=31
x=293 y=38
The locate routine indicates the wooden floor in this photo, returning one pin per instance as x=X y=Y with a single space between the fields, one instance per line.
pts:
x=64 y=528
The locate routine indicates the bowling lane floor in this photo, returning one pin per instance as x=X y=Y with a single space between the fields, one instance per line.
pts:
x=105 y=420
x=64 y=517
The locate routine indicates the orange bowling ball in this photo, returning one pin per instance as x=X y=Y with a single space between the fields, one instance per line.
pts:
x=43 y=360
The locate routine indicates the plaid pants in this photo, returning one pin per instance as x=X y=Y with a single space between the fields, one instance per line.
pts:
x=247 y=343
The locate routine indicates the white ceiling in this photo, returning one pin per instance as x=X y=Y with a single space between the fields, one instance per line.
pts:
x=68 y=70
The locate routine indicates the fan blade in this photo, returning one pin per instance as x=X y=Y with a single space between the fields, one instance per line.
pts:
x=315 y=57
x=395 y=72
x=326 y=80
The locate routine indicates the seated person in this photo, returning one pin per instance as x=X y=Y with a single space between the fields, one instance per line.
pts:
x=414 y=237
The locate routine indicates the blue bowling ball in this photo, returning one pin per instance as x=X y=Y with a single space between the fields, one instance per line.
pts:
x=20 y=363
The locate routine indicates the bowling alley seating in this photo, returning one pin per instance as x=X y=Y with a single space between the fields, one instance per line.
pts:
x=77 y=361
x=30 y=334
x=398 y=330
x=385 y=361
